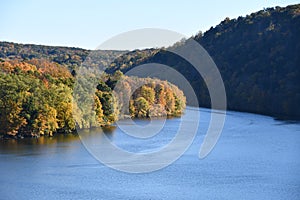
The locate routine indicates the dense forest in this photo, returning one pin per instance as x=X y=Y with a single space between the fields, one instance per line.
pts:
x=257 y=55
x=37 y=99
x=70 y=57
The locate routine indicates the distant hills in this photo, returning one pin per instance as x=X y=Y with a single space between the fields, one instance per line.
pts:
x=258 y=57
x=69 y=56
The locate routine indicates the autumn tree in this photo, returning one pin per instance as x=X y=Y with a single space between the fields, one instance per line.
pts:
x=141 y=107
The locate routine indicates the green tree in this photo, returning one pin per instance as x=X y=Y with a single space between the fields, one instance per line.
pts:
x=11 y=92
x=141 y=107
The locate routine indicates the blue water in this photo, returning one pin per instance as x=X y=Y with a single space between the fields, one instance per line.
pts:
x=256 y=157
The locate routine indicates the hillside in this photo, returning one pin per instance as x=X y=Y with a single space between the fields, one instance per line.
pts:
x=68 y=56
x=258 y=56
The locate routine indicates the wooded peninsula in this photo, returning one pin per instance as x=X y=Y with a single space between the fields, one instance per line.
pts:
x=37 y=99
x=257 y=55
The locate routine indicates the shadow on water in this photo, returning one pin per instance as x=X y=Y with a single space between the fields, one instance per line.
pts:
x=36 y=144
x=108 y=129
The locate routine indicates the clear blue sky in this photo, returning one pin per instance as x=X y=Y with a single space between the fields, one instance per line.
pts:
x=88 y=23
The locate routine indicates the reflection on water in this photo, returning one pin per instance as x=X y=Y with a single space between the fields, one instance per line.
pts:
x=57 y=138
x=108 y=129
x=36 y=144
x=43 y=140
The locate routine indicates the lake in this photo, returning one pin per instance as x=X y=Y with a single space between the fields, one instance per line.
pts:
x=256 y=157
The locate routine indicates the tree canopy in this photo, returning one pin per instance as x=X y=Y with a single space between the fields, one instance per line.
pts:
x=37 y=98
x=258 y=58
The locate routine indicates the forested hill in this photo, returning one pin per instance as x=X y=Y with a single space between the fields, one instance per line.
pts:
x=69 y=56
x=258 y=56
x=259 y=59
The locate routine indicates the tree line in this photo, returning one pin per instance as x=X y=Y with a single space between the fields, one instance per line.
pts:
x=37 y=98
x=257 y=56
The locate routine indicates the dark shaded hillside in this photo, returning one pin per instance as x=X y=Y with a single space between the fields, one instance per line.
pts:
x=257 y=55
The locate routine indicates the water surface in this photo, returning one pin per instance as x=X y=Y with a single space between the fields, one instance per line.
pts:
x=256 y=157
